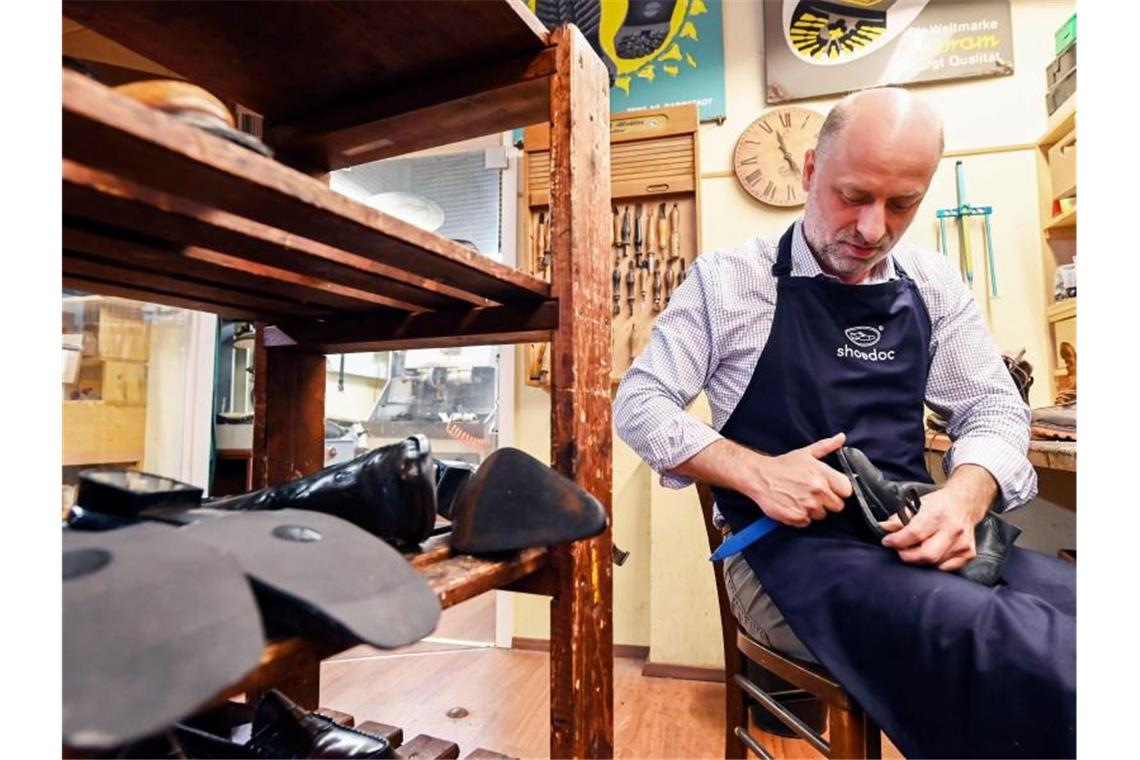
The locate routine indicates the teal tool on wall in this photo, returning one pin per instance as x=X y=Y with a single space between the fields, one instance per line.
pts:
x=961 y=212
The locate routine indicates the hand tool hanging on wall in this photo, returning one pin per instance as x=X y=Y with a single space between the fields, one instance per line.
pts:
x=655 y=273
x=675 y=232
x=539 y=243
x=615 y=241
x=681 y=273
x=629 y=282
x=650 y=232
x=641 y=283
x=990 y=255
x=617 y=291
x=961 y=212
x=539 y=356
x=668 y=282
x=626 y=232
x=638 y=234
x=967 y=260
x=546 y=253
x=662 y=229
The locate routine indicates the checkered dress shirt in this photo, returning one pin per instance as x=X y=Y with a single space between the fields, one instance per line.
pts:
x=712 y=333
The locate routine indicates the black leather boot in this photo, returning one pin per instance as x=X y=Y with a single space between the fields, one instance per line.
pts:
x=878 y=499
x=390 y=492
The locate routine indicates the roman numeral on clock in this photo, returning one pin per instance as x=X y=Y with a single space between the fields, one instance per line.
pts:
x=749 y=160
x=765 y=127
x=786 y=120
x=770 y=190
x=790 y=192
x=754 y=177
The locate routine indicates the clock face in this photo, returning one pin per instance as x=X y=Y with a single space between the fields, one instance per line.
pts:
x=769 y=156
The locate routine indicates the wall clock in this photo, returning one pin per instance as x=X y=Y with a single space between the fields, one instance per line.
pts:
x=769 y=155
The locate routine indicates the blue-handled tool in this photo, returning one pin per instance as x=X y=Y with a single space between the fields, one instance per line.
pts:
x=967 y=260
x=990 y=255
x=737 y=542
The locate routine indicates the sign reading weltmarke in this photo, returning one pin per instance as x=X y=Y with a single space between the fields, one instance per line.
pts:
x=825 y=47
x=659 y=52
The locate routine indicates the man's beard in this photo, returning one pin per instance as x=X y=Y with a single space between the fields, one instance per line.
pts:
x=833 y=259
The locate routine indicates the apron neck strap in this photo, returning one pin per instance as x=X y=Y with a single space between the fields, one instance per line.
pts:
x=783 y=265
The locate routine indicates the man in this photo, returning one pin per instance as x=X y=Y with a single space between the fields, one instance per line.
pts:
x=946 y=666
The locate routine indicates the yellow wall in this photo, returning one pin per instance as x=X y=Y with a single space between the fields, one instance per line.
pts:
x=664 y=596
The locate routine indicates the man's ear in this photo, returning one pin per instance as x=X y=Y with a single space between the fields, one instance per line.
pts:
x=809 y=169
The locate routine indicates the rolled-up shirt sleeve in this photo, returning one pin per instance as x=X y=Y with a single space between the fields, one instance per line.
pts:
x=650 y=408
x=970 y=386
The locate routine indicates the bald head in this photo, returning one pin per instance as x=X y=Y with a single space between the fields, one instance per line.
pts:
x=885 y=115
x=871 y=167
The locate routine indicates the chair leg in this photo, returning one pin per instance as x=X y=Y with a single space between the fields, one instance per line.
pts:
x=736 y=712
x=854 y=735
x=735 y=706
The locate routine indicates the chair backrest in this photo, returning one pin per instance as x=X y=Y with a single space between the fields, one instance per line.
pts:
x=727 y=619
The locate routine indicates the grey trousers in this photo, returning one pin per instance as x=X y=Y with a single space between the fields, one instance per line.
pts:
x=756 y=612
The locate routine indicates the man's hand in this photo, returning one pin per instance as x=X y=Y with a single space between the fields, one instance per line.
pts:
x=942 y=532
x=796 y=488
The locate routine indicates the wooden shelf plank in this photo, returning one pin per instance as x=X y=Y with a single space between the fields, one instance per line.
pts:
x=1061 y=310
x=116 y=248
x=131 y=211
x=328 y=80
x=1063 y=221
x=484 y=101
x=288 y=60
x=110 y=133
x=433 y=329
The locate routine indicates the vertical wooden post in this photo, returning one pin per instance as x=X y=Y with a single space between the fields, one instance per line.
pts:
x=581 y=614
x=288 y=442
x=288 y=414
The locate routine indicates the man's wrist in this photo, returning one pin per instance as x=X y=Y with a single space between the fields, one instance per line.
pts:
x=974 y=488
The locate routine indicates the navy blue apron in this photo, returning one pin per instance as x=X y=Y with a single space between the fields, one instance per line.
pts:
x=947 y=667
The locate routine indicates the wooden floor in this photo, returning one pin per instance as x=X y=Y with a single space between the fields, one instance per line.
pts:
x=507 y=696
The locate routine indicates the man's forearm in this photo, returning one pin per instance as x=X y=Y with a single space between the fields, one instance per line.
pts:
x=722 y=463
x=974 y=488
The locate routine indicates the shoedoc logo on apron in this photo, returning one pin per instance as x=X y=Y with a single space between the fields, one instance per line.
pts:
x=864 y=336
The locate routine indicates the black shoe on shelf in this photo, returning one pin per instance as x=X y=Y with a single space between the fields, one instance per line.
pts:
x=390 y=492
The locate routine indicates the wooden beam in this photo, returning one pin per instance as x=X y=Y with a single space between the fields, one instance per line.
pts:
x=159 y=283
x=288 y=413
x=288 y=59
x=107 y=198
x=107 y=131
x=581 y=614
x=150 y=295
x=496 y=98
x=434 y=329
x=202 y=264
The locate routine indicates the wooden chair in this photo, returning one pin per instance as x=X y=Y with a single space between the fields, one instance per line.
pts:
x=852 y=734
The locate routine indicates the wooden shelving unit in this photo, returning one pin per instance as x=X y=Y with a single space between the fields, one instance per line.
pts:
x=156 y=210
x=1058 y=238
